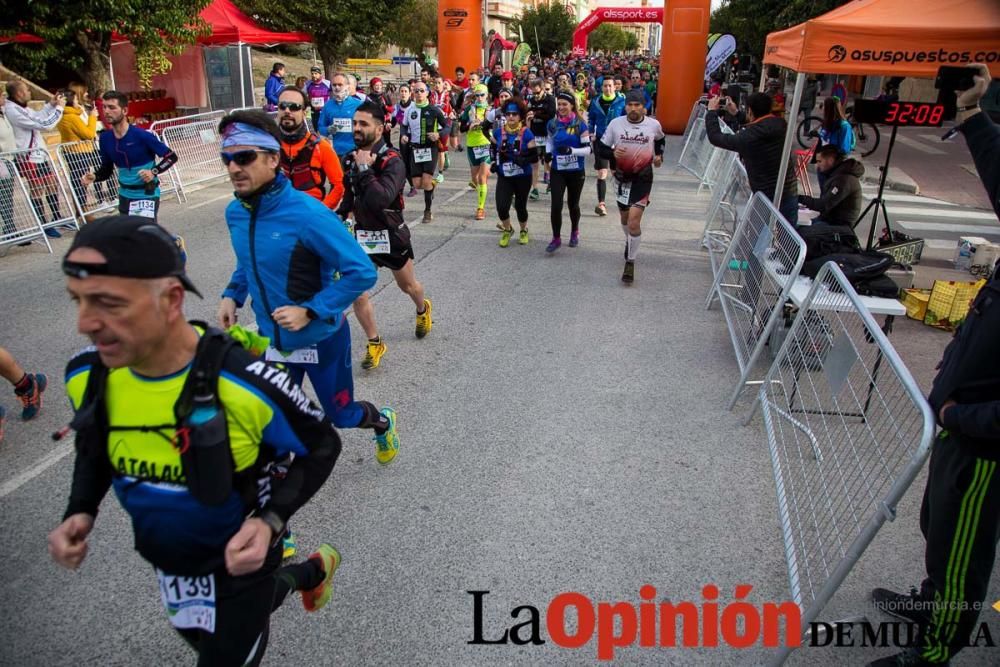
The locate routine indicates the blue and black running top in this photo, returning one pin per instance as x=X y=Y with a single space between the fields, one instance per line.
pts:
x=571 y=134
x=268 y=417
x=135 y=151
x=511 y=152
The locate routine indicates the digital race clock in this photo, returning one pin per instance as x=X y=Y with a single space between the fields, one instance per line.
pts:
x=902 y=114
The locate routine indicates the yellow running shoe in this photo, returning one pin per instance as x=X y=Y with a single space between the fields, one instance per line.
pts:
x=387 y=444
x=505 y=238
x=316 y=598
x=523 y=237
x=287 y=544
x=424 y=320
x=374 y=354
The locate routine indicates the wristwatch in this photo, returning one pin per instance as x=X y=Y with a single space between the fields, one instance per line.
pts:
x=971 y=107
x=156 y=172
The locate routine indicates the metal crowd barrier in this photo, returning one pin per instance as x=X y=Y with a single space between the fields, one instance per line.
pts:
x=754 y=279
x=78 y=158
x=48 y=199
x=19 y=222
x=848 y=430
x=699 y=157
x=160 y=125
x=729 y=200
x=197 y=146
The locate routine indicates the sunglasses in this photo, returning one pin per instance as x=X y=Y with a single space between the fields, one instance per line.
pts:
x=480 y=94
x=420 y=90
x=241 y=158
x=290 y=106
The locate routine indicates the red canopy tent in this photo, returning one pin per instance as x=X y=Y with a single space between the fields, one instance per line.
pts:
x=231 y=26
x=20 y=38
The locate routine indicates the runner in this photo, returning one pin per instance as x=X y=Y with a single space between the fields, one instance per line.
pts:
x=378 y=95
x=375 y=180
x=421 y=130
x=605 y=108
x=634 y=145
x=478 y=145
x=318 y=90
x=134 y=151
x=443 y=101
x=398 y=117
x=28 y=387
x=541 y=109
x=515 y=151
x=337 y=117
x=301 y=280
x=307 y=161
x=206 y=516
x=567 y=147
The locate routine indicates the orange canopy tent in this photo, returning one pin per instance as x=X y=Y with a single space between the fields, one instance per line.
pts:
x=886 y=37
x=891 y=38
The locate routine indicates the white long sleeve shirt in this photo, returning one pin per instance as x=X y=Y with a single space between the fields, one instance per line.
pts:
x=28 y=124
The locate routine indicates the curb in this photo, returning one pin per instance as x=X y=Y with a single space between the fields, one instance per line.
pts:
x=898 y=180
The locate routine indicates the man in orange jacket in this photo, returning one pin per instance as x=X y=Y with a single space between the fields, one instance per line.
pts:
x=308 y=161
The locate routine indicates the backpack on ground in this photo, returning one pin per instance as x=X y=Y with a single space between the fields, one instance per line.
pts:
x=857 y=266
x=824 y=240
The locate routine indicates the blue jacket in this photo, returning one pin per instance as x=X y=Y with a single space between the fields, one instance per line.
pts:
x=336 y=122
x=273 y=87
x=842 y=137
x=290 y=245
x=598 y=121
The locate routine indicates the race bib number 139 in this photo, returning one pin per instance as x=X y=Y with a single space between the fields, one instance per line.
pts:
x=189 y=601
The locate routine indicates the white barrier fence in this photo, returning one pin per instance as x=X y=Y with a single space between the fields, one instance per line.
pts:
x=848 y=430
x=197 y=146
x=729 y=199
x=19 y=223
x=45 y=197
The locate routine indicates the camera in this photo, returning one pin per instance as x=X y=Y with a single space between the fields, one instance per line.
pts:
x=950 y=78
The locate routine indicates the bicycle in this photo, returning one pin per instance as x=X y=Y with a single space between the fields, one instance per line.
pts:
x=866 y=135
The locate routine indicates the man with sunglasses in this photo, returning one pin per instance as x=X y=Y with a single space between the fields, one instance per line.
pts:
x=303 y=269
x=375 y=179
x=422 y=126
x=541 y=109
x=636 y=83
x=336 y=121
x=310 y=163
x=134 y=151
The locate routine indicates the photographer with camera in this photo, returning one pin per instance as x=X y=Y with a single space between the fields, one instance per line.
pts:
x=960 y=515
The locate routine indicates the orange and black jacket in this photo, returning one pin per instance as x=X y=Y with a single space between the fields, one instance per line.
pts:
x=311 y=164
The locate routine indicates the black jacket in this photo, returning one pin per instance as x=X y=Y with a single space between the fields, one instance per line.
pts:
x=969 y=373
x=544 y=108
x=839 y=203
x=760 y=146
x=374 y=195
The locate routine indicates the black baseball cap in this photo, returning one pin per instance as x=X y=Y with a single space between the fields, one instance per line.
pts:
x=635 y=95
x=134 y=247
x=315 y=68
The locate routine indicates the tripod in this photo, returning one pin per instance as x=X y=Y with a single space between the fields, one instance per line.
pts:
x=878 y=203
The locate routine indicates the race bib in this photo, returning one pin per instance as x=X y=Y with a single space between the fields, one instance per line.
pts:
x=421 y=155
x=307 y=355
x=189 y=601
x=317 y=102
x=564 y=162
x=342 y=125
x=511 y=169
x=624 y=192
x=480 y=152
x=374 y=242
x=144 y=208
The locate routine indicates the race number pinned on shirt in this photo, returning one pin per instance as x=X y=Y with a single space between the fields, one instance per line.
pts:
x=374 y=242
x=189 y=601
x=144 y=208
x=422 y=155
x=306 y=355
x=566 y=162
x=317 y=102
x=512 y=169
x=343 y=125
x=624 y=193
x=480 y=152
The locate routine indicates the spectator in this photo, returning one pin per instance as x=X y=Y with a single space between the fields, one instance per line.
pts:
x=960 y=515
x=273 y=86
x=79 y=128
x=760 y=144
x=7 y=145
x=839 y=201
x=835 y=131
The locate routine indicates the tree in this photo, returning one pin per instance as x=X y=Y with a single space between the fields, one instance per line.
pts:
x=414 y=25
x=554 y=25
x=338 y=27
x=631 y=41
x=78 y=36
x=607 y=37
x=750 y=21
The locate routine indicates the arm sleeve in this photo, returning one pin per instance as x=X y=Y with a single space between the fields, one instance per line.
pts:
x=982 y=136
x=326 y=236
x=978 y=420
x=237 y=289
x=334 y=173
x=84 y=132
x=106 y=168
x=45 y=119
x=732 y=142
x=91 y=481
x=323 y=123
x=592 y=117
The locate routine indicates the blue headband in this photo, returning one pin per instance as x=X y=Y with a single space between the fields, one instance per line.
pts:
x=241 y=134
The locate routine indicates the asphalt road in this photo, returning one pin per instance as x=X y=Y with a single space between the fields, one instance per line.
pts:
x=560 y=432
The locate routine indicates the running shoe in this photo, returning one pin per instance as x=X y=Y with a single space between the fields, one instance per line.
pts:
x=553 y=245
x=387 y=444
x=908 y=606
x=601 y=209
x=424 y=320
x=316 y=598
x=548 y=189
x=480 y=213
x=412 y=192
x=628 y=275
x=447 y=162
x=373 y=355
x=533 y=195
x=3 y=420
x=574 y=239
x=523 y=237
x=53 y=233
x=428 y=217
x=287 y=544
x=31 y=398
x=505 y=238
x=545 y=177
x=472 y=185
x=439 y=179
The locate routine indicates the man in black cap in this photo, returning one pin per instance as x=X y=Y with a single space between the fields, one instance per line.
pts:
x=181 y=421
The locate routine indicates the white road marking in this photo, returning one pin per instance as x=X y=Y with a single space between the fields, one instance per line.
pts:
x=228 y=195
x=909 y=199
x=950 y=228
x=917 y=145
x=961 y=214
x=43 y=464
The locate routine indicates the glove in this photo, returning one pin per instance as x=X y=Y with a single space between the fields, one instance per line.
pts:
x=494 y=167
x=254 y=343
x=564 y=150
